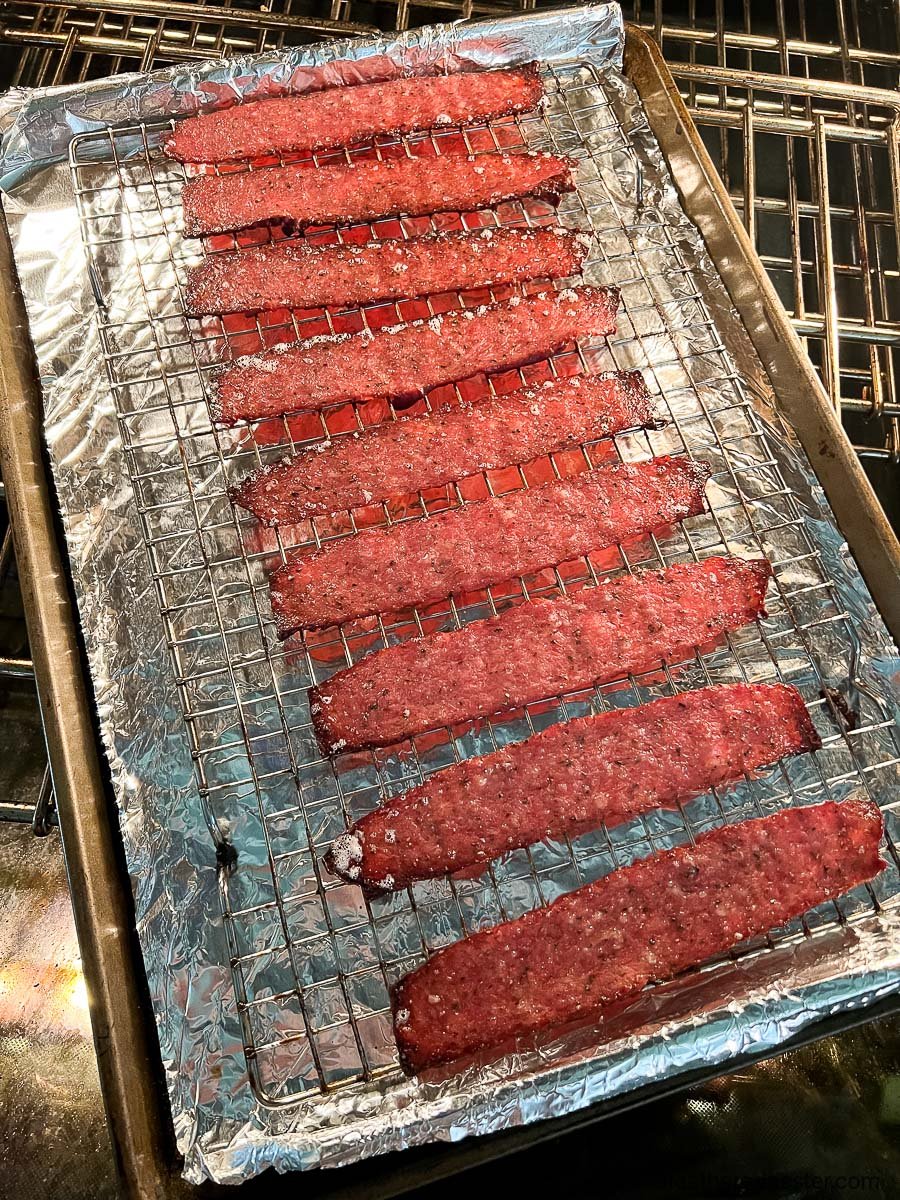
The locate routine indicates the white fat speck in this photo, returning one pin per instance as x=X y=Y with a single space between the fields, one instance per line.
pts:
x=567 y=294
x=326 y=699
x=386 y=884
x=406 y=712
x=399 y=268
x=515 y=301
x=443 y=119
x=436 y=324
x=315 y=707
x=432 y=999
x=338 y=745
x=347 y=854
x=265 y=364
x=390 y=836
x=367 y=495
x=402 y=1016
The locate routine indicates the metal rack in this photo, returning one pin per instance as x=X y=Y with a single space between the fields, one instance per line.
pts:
x=15 y=667
x=30 y=797
x=312 y=958
x=64 y=43
x=823 y=217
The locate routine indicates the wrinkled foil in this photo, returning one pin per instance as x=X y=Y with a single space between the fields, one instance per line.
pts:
x=702 y=1021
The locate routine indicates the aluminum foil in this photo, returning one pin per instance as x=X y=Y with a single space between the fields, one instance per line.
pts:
x=226 y=1125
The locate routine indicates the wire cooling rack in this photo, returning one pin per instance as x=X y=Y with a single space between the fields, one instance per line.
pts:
x=312 y=957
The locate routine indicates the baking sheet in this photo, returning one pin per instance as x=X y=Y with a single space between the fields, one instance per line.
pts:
x=115 y=499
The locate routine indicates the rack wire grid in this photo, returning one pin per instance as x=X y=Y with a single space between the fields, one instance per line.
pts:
x=805 y=136
x=27 y=790
x=313 y=957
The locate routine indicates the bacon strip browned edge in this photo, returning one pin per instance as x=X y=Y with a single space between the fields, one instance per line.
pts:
x=435 y=448
x=299 y=274
x=572 y=778
x=342 y=193
x=539 y=649
x=403 y=361
x=601 y=944
x=482 y=543
x=344 y=116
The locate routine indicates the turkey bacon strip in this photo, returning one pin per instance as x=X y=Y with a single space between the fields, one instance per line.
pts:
x=298 y=274
x=343 y=116
x=343 y=193
x=403 y=361
x=536 y=650
x=572 y=778
x=435 y=448
x=601 y=944
x=385 y=570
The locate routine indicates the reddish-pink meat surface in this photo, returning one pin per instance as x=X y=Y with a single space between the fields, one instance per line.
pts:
x=343 y=116
x=403 y=361
x=297 y=274
x=385 y=570
x=536 y=650
x=573 y=778
x=604 y=942
x=342 y=193
x=423 y=452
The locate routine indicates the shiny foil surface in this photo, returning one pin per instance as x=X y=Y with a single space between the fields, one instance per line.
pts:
x=268 y=978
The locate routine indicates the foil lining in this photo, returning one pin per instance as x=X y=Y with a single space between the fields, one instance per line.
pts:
x=229 y=1127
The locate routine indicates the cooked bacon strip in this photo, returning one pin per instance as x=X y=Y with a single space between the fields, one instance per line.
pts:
x=602 y=943
x=297 y=274
x=341 y=193
x=573 y=778
x=403 y=361
x=538 y=649
x=343 y=116
x=385 y=570
x=426 y=451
